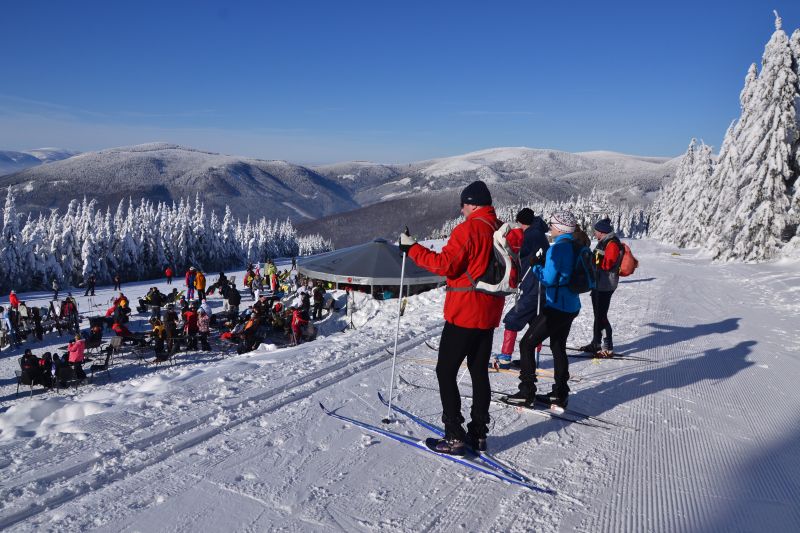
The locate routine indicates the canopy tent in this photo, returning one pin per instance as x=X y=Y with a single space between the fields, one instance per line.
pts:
x=372 y=263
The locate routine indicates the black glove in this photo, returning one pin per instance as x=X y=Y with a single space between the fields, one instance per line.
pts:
x=406 y=241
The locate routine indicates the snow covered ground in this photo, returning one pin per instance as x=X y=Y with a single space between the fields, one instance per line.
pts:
x=239 y=442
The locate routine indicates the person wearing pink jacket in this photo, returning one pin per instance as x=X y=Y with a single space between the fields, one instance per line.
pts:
x=76 y=357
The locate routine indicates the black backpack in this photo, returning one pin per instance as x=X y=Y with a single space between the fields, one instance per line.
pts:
x=584 y=275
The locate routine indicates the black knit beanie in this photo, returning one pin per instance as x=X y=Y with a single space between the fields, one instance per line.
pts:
x=476 y=193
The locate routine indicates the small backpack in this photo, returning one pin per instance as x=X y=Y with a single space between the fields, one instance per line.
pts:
x=499 y=279
x=584 y=276
x=628 y=263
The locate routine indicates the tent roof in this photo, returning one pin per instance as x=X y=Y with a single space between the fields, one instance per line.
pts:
x=372 y=263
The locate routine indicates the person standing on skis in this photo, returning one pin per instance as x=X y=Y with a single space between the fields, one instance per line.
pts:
x=470 y=317
x=560 y=309
x=607 y=258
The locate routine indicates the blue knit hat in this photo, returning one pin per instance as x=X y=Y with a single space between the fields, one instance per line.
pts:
x=604 y=225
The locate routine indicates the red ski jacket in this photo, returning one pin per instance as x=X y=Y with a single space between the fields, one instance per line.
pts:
x=468 y=250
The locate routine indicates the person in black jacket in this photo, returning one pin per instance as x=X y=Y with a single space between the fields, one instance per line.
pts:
x=533 y=240
x=90 y=284
x=232 y=296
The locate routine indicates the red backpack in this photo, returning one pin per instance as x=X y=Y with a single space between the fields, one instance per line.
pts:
x=628 y=264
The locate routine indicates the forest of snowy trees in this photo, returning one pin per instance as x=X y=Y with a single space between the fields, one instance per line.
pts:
x=746 y=204
x=628 y=221
x=136 y=241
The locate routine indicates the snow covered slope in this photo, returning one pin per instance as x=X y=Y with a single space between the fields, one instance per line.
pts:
x=239 y=443
x=165 y=172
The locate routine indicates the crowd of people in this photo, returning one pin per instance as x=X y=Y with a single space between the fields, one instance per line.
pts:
x=548 y=302
x=283 y=310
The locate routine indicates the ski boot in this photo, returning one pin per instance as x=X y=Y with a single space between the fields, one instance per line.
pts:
x=520 y=398
x=475 y=443
x=608 y=349
x=501 y=361
x=592 y=347
x=553 y=399
x=446 y=446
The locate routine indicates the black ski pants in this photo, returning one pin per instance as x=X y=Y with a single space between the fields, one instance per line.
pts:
x=554 y=324
x=601 y=301
x=475 y=345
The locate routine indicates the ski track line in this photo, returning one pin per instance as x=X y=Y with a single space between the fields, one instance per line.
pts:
x=190 y=438
x=682 y=503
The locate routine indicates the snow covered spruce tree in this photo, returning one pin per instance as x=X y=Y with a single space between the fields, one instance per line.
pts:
x=14 y=266
x=677 y=212
x=756 y=226
x=748 y=209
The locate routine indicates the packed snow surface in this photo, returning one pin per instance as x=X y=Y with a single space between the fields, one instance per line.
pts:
x=706 y=441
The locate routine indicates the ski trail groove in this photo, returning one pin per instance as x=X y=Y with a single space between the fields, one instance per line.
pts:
x=192 y=433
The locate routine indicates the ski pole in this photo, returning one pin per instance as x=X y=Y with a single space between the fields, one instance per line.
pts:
x=388 y=418
x=538 y=310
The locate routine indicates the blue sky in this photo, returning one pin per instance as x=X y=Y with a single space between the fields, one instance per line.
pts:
x=316 y=82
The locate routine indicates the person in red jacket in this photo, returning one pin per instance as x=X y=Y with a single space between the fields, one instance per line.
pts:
x=608 y=257
x=514 y=238
x=299 y=320
x=13 y=300
x=168 y=272
x=190 y=328
x=470 y=317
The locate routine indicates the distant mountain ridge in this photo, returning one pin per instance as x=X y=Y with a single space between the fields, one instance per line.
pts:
x=168 y=172
x=549 y=174
x=11 y=161
x=372 y=195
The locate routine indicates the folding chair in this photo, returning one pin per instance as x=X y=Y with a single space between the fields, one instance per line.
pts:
x=93 y=348
x=67 y=375
x=102 y=367
x=115 y=347
x=20 y=381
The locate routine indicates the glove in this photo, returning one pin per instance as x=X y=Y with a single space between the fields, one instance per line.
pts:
x=539 y=258
x=406 y=241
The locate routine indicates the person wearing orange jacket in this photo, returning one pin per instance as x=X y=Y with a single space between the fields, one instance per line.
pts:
x=200 y=284
x=470 y=317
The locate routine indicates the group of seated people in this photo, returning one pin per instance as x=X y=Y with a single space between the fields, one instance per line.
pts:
x=190 y=325
x=47 y=370
x=185 y=324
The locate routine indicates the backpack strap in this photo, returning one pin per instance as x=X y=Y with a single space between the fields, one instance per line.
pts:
x=472 y=281
x=601 y=251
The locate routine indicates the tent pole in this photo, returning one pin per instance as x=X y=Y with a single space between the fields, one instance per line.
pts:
x=388 y=418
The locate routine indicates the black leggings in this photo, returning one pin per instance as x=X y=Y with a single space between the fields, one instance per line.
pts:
x=475 y=345
x=601 y=301
x=554 y=324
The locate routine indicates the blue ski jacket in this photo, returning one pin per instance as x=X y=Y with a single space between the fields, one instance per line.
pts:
x=555 y=275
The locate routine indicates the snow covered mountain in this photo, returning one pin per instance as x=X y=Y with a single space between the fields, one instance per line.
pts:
x=371 y=199
x=166 y=172
x=424 y=195
x=547 y=174
x=11 y=161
